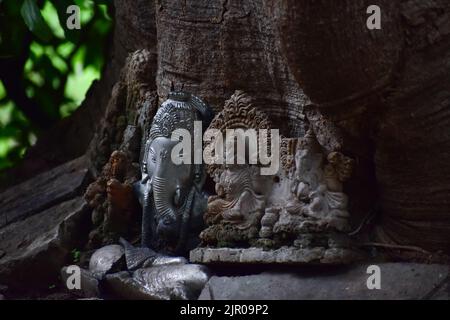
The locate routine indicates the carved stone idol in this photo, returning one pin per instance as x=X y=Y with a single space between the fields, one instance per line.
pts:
x=172 y=204
x=233 y=214
x=316 y=187
x=114 y=209
x=297 y=216
x=171 y=194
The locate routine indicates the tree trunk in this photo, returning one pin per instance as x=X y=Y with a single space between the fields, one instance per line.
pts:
x=386 y=92
x=387 y=89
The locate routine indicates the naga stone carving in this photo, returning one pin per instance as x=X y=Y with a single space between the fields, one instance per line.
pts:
x=171 y=194
x=296 y=216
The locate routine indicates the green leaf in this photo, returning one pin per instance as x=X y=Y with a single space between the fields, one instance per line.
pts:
x=34 y=20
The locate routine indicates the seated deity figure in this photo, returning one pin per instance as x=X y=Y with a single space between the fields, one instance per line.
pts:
x=236 y=200
x=296 y=215
x=317 y=188
x=234 y=213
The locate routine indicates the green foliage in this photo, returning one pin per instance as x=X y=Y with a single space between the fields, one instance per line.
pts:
x=33 y=19
x=76 y=255
x=45 y=68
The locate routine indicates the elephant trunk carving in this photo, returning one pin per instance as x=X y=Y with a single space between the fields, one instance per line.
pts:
x=168 y=221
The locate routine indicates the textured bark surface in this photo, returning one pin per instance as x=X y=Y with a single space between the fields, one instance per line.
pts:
x=387 y=89
x=213 y=48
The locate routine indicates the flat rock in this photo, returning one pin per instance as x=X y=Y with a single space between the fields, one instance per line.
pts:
x=168 y=282
x=43 y=191
x=107 y=259
x=38 y=247
x=398 y=281
x=283 y=255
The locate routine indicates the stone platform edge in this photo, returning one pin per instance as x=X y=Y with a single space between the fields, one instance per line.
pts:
x=283 y=255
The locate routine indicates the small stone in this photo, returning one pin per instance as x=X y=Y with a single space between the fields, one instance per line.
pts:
x=179 y=282
x=2 y=297
x=106 y=259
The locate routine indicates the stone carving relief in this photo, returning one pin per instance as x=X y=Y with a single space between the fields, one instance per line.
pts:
x=233 y=214
x=297 y=216
x=114 y=211
x=302 y=210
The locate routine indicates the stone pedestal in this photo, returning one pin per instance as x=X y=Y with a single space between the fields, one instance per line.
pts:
x=283 y=255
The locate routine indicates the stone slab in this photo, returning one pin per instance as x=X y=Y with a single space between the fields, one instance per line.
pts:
x=399 y=281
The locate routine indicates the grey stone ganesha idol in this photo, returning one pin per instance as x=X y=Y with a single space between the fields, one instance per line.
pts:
x=171 y=194
x=172 y=205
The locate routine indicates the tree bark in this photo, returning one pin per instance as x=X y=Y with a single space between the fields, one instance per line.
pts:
x=385 y=91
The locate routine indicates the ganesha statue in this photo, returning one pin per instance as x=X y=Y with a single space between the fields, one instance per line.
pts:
x=233 y=214
x=171 y=194
x=298 y=215
x=316 y=184
x=173 y=202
